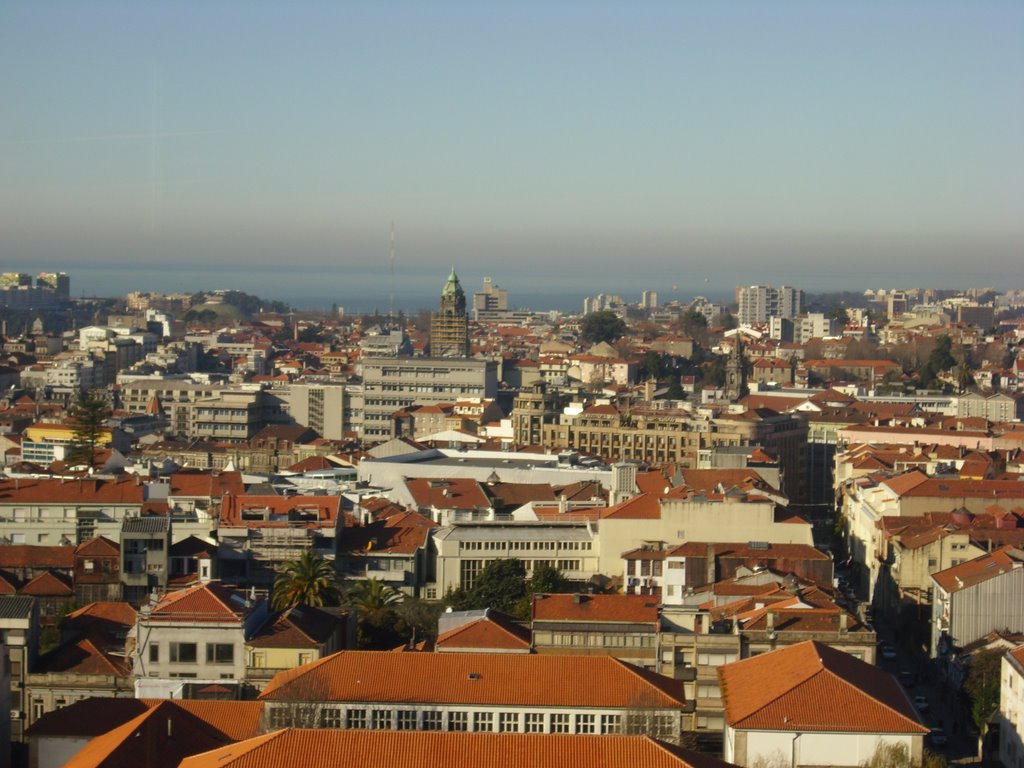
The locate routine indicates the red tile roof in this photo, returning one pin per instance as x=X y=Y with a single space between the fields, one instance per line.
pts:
x=978 y=570
x=645 y=506
x=634 y=609
x=199 y=484
x=98 y=547
x=452 y=493
x=475 y=678
x=494 y=631
x=203 y=602
x=160 y=737
x=48 y=584
x=321 y=748
x=281 y=511
x=80 y=491
x=83 y=657
x=813 y=687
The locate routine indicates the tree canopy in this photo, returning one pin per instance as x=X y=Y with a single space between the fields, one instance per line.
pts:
x=307 y=580
x=602 y=326
x=503 y=586
x=89 y=422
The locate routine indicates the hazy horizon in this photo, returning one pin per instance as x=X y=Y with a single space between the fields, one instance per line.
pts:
x=562 y=148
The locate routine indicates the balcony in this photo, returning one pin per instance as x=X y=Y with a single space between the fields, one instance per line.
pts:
x=685 y=674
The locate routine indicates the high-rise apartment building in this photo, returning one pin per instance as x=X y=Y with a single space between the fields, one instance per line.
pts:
x=758 y=303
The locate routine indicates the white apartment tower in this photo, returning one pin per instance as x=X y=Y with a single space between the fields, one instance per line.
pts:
x=758 y=303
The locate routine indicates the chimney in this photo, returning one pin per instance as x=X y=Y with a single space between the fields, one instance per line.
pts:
x=770 y=621
x=709 y=566
x=842 y=622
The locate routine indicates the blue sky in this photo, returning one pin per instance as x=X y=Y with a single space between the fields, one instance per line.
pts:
x=574 y=144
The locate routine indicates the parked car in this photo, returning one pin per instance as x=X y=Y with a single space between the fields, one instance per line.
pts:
x=921 y=702
x=888 y=652
x=908 y=678
x=937 y=737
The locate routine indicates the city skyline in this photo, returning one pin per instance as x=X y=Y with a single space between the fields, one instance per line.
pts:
x=845 y=146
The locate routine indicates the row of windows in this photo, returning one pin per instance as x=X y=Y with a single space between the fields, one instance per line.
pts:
x=187 y=653
x=325 y=716
x=597 y=639
x=490 y=546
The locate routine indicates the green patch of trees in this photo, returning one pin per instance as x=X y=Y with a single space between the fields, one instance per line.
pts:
x=503 y=586
x=602 y=326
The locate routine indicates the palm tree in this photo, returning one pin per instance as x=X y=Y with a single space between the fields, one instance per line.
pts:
x=309 y=580
x=374 y=603
x=373 y=598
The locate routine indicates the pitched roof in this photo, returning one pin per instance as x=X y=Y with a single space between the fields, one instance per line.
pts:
x=104 y=616
x=279 y=511
x=48 y=584
x=451 y=493
x=160 y=737
x=813 y=687
x=98 y=547
x=978 y=570
x=645 y=506
x=35 y=556
x=321 y=748
x=492 y=631
x=203 y=602
x=475 y=678
x=79 y=491
x=83 y=656
x=636 y=609
x=299 y=627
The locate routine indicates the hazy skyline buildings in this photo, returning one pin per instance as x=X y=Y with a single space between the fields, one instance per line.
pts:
x=843 y=144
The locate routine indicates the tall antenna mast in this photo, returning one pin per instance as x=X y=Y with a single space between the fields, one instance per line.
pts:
x=391 y=288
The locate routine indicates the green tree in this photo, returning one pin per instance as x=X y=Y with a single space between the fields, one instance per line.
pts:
x=501 y=585
x=982 y=685
x=547 y=580
x=375 y=603
x=89 y=422
x=602 y=326
x=654 y=365
x=841 y=316
x=307 y=580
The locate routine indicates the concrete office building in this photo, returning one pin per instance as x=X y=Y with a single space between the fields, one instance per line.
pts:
x=392 y=384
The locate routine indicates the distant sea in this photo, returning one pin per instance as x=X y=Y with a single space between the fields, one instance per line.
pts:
x=305 y=287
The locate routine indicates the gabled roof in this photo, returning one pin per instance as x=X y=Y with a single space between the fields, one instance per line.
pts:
x=492 y=631
x=203 y=602
x=106 y=617
x=83 y=656
x=475 y=678
x=48 y=584
x=299 y=627
x=645 y=506
x=160 y=737
x=98 y=547
x=321 y=748
x=813 y=687
x=634 y=609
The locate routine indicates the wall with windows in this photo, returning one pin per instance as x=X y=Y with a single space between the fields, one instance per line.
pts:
x=179 y=652
x=661 y=723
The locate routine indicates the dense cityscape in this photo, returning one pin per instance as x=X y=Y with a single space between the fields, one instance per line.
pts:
x=785 y=529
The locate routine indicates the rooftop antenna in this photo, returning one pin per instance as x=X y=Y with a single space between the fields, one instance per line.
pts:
x=391 y=288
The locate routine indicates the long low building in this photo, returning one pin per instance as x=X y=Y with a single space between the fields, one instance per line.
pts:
x=480 y=692
x=305 y=748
